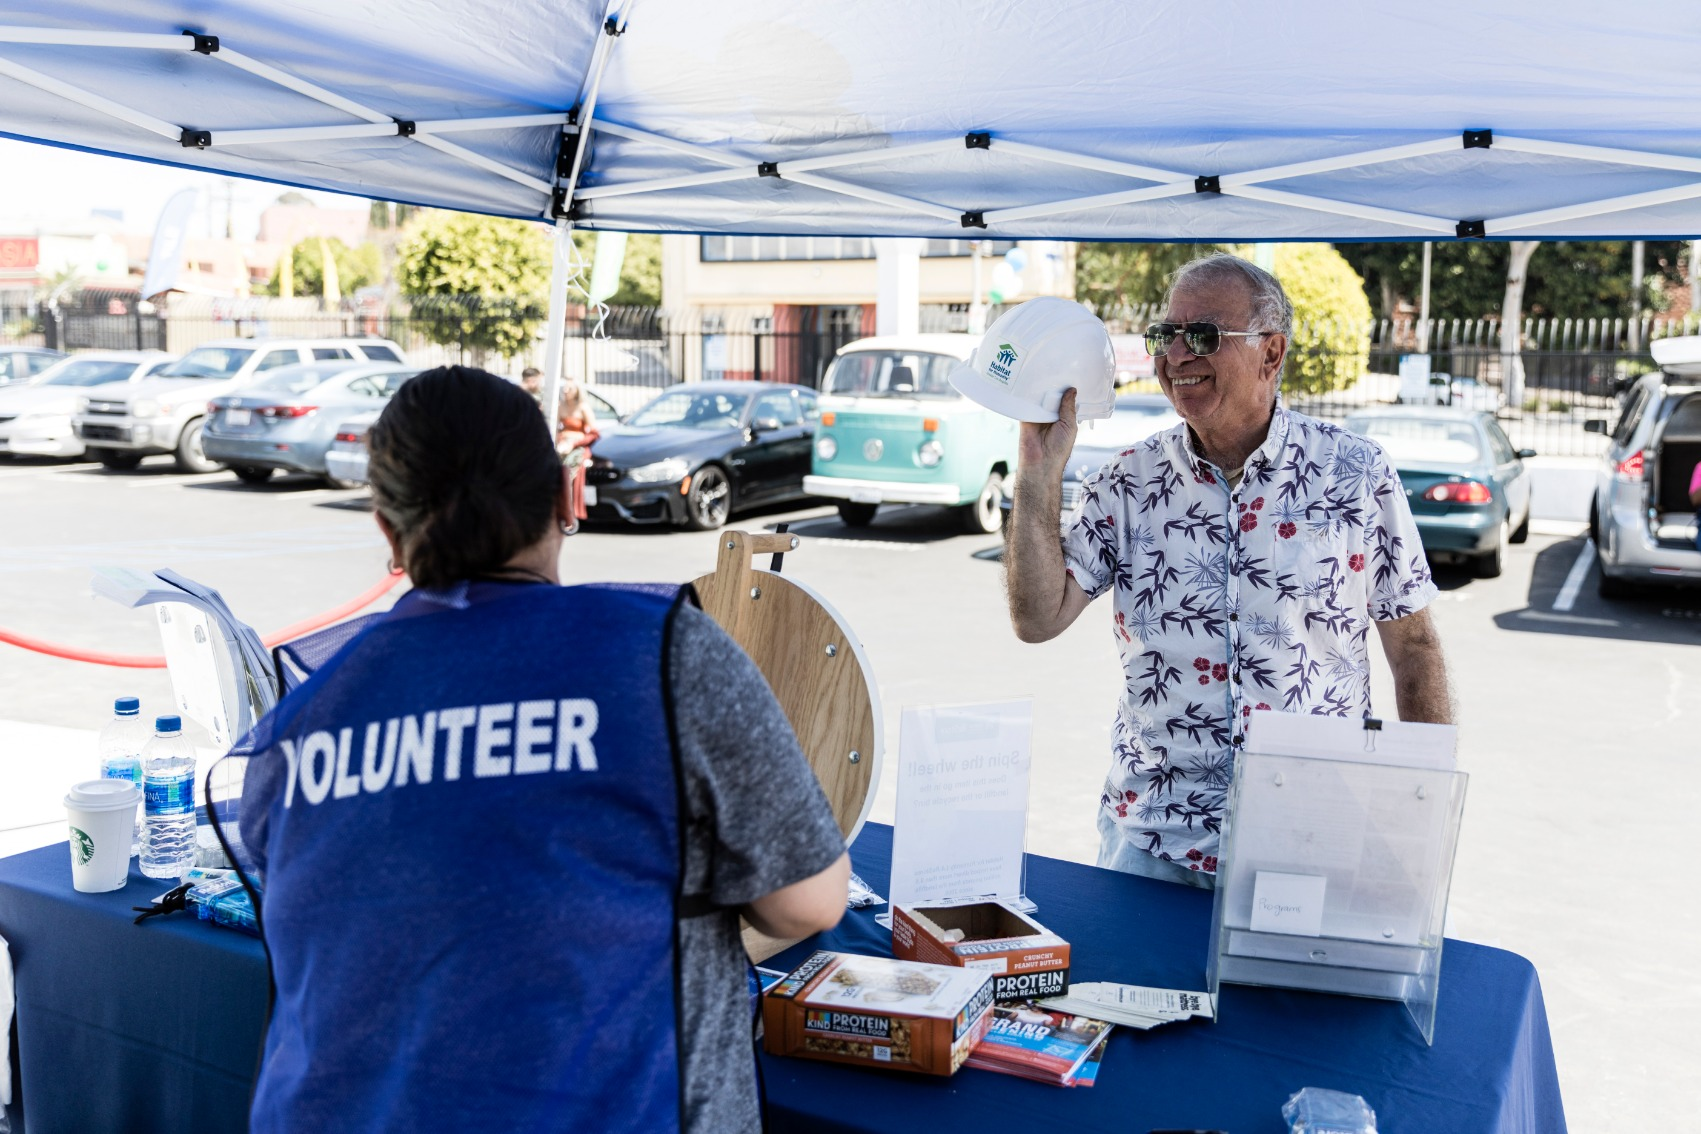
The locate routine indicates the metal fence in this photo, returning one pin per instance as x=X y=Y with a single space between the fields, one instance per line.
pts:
x=1571 y=370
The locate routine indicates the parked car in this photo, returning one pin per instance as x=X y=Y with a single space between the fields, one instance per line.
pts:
x=1467 y=487
x=345 y=460
x=35 y=416
x=1135 y=418
x=894 y=431
x=285 y=420
x=701 y=450
x=166 y=413
x=1641 y=519
x=19 y=363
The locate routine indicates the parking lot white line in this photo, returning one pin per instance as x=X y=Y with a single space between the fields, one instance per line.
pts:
x=1574 y=581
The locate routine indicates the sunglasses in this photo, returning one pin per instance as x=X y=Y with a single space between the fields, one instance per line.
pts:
x=1201 y=338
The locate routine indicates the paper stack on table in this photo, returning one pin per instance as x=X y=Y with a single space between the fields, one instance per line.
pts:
x=1131 y=1005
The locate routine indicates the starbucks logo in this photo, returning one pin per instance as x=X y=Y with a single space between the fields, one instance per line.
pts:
x=82 y=847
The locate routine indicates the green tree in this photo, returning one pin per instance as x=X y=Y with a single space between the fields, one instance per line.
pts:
x=356 y=267
x=1567 y=279
x=480 y=282
x=1331 y=318
x=1109 y=276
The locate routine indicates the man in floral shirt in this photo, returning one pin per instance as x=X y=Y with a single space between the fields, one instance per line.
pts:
x=1247 y=552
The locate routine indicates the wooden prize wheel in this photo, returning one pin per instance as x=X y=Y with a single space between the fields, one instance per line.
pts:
x=818 y=673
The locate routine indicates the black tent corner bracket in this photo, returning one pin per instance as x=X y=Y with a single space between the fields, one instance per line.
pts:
x=979 y=140
x=565 y=151
x=612 y=27
x=1471 y=230
x=561 y=210
x=1479 y=139
x=974 y=220
x=195 y=139
x=768 y=169
x=204 y=44
x=1208 y=183
x=405 y=128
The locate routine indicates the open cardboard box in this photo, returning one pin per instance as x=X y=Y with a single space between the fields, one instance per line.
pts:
x=1025 y=958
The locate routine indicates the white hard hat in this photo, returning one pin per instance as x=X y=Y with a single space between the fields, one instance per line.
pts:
x=1033 y=353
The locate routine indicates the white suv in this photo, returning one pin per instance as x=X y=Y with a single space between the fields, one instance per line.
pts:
x=164 y=413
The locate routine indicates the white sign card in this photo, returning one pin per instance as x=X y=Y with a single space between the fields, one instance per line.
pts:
x=962 y=814
x=1288 y=903
x=192 y=646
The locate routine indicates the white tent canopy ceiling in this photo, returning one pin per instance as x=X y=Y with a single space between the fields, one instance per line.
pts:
x=1165 y=120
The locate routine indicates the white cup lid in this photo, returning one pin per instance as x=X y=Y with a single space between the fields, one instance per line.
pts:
x=103 y=795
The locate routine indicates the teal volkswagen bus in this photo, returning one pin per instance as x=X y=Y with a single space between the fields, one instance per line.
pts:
x=893 y=431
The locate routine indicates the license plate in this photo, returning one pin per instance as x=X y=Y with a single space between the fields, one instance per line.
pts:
x=590 y=495
x=864 y=496
x=238 y=417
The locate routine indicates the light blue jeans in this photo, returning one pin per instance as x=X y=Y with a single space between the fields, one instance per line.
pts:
x=1117 y=853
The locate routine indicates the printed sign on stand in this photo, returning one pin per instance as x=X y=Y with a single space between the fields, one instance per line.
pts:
x=962 y=812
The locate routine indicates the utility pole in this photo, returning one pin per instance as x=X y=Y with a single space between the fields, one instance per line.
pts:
x=1637 y=250
x=977 y=309
x=1423 y=304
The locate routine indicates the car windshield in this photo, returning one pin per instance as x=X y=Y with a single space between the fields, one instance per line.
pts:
x=891 y=374
x=290 y=380
x=86 y=372
x=686 y=409
x=1422 y=439
x=207 y=362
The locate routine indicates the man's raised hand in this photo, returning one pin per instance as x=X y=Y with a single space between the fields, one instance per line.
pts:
x=1044 y=448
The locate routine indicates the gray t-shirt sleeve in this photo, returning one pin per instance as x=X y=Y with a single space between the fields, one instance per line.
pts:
x=751 y=800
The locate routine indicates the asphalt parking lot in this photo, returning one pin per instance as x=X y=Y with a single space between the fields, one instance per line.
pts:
x=1579 y=717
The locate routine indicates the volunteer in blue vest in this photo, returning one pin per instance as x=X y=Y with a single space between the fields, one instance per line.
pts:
x=508 y=830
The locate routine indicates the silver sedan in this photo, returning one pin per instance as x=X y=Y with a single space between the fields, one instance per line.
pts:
x=286 y=419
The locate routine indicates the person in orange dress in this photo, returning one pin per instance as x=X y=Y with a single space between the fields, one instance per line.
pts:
x=574 y=435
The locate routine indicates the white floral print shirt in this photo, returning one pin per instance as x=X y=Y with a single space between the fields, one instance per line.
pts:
x=1233 y=600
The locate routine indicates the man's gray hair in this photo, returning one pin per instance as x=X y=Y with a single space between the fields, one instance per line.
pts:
x=1271 y=310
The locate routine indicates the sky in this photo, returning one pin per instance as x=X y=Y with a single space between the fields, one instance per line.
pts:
x=43 y=186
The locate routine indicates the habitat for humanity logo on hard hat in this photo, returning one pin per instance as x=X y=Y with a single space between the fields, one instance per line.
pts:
x=1003 y=363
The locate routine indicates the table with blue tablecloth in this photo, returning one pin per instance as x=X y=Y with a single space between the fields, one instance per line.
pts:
x=157 y=1027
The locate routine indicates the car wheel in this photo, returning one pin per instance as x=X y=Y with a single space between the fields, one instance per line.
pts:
x=986 y=513
x=1522 y=531
x=709 y=501
x=854 y=515
x=119 y=462
x=249 y=474
x=191 y=458
x=1489 y=566
x=1595 y=520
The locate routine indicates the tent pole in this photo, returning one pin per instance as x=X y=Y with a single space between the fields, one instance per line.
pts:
x=1423 y=304
x=555 y=333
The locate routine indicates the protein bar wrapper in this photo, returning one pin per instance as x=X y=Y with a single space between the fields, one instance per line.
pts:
x=878 y=1012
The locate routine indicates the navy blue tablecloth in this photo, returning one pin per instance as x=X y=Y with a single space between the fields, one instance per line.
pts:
x=121 y=1027
x=1491 y=1069
x=157 y=1027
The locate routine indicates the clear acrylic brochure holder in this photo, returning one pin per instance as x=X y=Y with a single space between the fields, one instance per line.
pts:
x=1381 y=838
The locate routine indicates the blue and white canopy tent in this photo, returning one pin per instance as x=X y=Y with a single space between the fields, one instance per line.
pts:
x=1072 y=119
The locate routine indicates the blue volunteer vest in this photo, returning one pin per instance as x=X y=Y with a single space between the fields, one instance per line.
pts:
x=469 y=823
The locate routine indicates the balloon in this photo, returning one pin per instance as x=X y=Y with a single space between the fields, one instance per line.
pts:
x=1005 y=279
x=1017 y=259
x=995 y=296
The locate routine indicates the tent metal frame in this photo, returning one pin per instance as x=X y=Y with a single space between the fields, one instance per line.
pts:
x=564 y=199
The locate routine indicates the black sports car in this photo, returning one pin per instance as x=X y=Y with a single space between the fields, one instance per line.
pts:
x=701 y=449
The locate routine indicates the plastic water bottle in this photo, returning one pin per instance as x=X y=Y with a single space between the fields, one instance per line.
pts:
x=121 y=743
x=168 y=798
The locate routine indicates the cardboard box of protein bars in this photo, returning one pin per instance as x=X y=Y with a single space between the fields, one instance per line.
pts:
x=1025 y=958
x=878 y=1012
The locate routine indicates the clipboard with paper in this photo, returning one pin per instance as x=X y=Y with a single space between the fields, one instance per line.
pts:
x=1337 y=855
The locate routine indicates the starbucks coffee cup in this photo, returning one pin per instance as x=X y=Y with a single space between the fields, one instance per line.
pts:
x=103 y=821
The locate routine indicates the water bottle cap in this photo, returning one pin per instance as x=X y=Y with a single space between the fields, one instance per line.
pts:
x=168 y=724
x=127 y=706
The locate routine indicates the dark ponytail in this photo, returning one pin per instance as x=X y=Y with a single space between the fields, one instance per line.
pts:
x=463 y=471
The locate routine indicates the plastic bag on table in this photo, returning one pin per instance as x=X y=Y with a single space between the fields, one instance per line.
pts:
x=1315 y=1110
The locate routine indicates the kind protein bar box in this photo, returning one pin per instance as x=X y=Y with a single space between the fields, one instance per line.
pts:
x=878 y=1012
x=1026 y=960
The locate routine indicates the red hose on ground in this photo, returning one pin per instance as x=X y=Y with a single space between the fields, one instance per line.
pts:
x=157 y=661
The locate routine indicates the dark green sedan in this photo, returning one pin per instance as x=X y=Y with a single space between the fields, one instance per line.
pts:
x=1467 y=486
